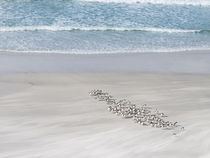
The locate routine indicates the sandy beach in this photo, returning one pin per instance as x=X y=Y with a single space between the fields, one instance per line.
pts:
x=104 y=79
x=178 y=62
x=48 y=113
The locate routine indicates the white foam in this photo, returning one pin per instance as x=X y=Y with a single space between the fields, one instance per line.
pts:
x=89 y=52
x=164 y=2
x=67 y=28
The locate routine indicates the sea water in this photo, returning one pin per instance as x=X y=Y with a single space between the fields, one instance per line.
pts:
x=104 y=26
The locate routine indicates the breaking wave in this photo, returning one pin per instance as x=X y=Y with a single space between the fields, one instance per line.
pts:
x=164 y=2
x=66 y=28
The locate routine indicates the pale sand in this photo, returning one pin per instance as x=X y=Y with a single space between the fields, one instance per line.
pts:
x=51 y=115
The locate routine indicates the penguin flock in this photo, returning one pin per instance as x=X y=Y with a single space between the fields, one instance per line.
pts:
x=144 y=115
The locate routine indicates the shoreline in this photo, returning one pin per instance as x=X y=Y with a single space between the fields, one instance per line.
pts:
x=11 y=52
x=195 y=62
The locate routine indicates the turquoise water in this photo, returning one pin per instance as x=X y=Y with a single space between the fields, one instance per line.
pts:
x=104 y=26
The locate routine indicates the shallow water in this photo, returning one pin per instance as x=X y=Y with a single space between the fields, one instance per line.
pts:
x=104 y=26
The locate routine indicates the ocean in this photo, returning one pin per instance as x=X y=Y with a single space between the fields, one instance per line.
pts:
x=104 y=26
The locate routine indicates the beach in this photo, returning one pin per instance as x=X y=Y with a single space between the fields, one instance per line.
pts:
x=180 y=62
x=46 y=110
x=104 y=78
